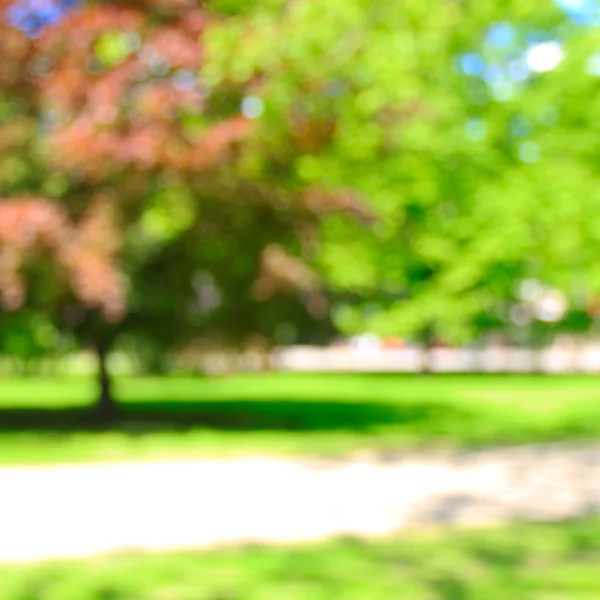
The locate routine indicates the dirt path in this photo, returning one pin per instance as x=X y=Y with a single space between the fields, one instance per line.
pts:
x=75 y=511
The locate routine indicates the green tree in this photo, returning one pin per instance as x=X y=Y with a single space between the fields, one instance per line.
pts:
x=452 y=120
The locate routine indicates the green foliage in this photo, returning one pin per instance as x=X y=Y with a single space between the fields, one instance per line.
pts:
x=477 y=159
x=467 y=174
x=113 y=47
x=30 y=335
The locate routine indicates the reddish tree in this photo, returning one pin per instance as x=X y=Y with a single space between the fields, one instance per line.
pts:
x=86 y=253
x=113 y=119
x=115 y=90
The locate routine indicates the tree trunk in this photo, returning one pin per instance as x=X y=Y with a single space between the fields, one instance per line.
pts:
x=428 y=346
x=106 y=406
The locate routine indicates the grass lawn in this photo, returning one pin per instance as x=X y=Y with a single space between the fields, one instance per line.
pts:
x=46 y=420
x=538 y=562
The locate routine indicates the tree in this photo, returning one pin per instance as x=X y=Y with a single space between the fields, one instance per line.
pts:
x=452 y=119
x=179 y=123
x=142 y=157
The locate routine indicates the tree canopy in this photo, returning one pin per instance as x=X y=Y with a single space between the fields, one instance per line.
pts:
x=470 y=132
x=224 y=168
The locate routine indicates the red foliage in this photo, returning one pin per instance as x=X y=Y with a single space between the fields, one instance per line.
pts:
x=114 y=108
x=320 y=201
x=281 y=272
x=126 y=115
x=108 y=123
x=86 y=251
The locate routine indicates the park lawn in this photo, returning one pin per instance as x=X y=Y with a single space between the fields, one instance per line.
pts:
x=46 y=420
x=530 y=562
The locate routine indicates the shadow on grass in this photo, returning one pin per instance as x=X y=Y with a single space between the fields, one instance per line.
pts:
x=295 y=415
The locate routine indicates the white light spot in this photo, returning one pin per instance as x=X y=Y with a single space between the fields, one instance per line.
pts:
x=184 y=80
x=472 y=64
x=544 y=57
x=132 y=40
x=529 y=152
x=530 y=290
x=572 y=4
x=476 y=130
x=364 y=344
x=551 y=307
x=518 y=71
x=208 y=295
x=592 y=66
x=159 y=67
x=520 y=315
x=502 y=89
x=501 y=35
x=252 y=107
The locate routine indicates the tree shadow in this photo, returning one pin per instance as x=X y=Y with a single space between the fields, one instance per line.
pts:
x=248 y=414
x=452 y=509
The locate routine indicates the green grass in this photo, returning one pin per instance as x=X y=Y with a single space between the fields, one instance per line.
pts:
x=45 y=421
x=537 y=562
